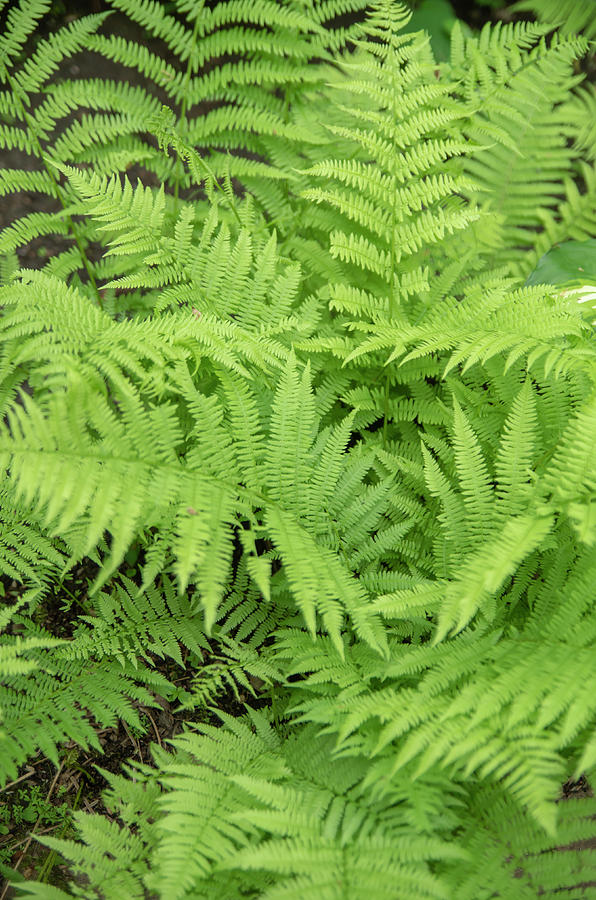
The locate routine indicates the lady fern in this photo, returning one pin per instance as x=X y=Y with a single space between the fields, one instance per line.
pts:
x=355 y=450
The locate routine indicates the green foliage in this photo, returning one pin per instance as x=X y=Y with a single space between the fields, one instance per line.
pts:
x=25 y=807
x=571 y=16
x=326 y=440
x=28 y=804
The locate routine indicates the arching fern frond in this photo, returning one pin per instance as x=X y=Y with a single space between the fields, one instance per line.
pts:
x=532 y=127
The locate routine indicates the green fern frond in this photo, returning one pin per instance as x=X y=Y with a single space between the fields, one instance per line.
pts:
x=20 y=21
x=198 y=828
x=127 y=624
x=23 y=180
x=246 y=427
x=543 y=865
x=474 y=478
x=351 y=454
x=293 y=431
x=51 y=51
x=500 y=83
x=486 y=570
x=139 y=213
x=33 y=225
x=203 y=546
x=104 y=841
x=571 y=476
x=52 y=703
x=513 y=463
x=68 y=475
x=571 y=18
x=320 y=582
x=151 y=16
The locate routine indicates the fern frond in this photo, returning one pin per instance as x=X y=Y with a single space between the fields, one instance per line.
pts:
x=23 y=180
x=26 y=554
x=128 y=624
x=20 y=22
x=139 y=213
x=30 y=226
x=571 y=18
x=292 y=434
x=571 y=476
x=198 y=828
x=513 y=463
x=51 y=51
x=52 y=703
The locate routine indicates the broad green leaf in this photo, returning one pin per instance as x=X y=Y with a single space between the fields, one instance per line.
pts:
x=570 y=263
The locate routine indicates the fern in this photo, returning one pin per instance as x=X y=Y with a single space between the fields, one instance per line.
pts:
x=47 y=699
x=576 y=17
x=305 y=383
